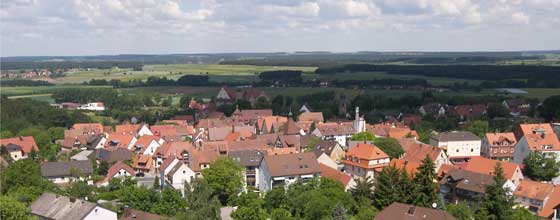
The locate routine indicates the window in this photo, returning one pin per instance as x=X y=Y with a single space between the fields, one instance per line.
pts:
x=472 y=150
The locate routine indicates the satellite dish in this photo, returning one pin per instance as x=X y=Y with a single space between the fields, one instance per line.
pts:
x=434 y=205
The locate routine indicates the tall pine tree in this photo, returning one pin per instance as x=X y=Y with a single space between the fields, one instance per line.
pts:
x=405 y=187
x=497 y=202
x=424 y=185
x=386 y=187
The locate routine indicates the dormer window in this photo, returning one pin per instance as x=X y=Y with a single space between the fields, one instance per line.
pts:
x=546 y=147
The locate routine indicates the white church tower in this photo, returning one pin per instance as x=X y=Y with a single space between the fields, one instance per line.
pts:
x=359 y=122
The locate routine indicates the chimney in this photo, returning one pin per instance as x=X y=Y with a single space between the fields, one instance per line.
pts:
x=21 y=138
x=411 y=210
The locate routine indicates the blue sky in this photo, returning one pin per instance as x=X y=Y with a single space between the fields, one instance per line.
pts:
x=92 y=27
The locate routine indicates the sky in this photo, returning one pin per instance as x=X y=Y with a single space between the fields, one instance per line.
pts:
x=95 y=27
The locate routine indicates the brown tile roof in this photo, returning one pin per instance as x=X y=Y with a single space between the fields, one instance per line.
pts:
x=267 y=123
x=117 y=167
x=218 y=133
x=89 y=127
x=333 y=129
x=468 y=180
x=26 y=143
x=144 y=141
x=399 y=211
x=143 y=162
x=329 y=172
x=469 y=110
x=291 y=127
x=486 y=166
x=291 y=164
x=416 y=151
x=254 y=114
x=410 y=166
x=311 y=116
x=533 y=190
x=173 y=149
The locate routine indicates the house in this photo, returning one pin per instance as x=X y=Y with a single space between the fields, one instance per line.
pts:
x=345 y=179
x=65 y=172
x=93 y=106
x=89 y=128
x=411 y=119
x=112 y=155
x=459 y=185
x=533 y=195
x=81 y=139
x=270 y=124
x=70 y=105
x=283 y=170
x=364 y=160
x=143 y=163
x=391 y=131
x=459 y=145
x=133 y=129
x=535 y=137
x=172 y=132
x=227 y=95
x=147 y=144
x=512 y=171
x=304 y=108
x=133 y=214
x=517 y=107
x=468 y=112
x=435 y=109
x=551 y=208
x=499 y=146
x=416 y=151
x=250 y=116
x=176 y=173
x=400 y=211
x=56 y=207
x=331 y=149
x=19 y=147
x=117 y=140
x=171 y=149
x=316 y=117
x=341 y=132
x=118 y=170
x=251 y=160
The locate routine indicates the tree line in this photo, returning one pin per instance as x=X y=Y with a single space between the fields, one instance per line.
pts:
x=71 y=64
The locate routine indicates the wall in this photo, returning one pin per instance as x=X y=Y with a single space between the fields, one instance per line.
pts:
x=99 y=213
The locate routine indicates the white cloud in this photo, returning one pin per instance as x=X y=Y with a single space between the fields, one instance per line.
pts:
x=158 y=26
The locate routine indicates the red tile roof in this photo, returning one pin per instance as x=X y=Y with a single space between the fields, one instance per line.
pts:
x=329 y=172
x=553 y=201
x=117 y=167
x=533 y=190
x=121 y=140
x=311 y=116
x=486 y=166
x=26 y=143
x=365 y=153
x=95 y=127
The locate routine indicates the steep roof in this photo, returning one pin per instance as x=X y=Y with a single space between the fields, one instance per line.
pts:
x=144 y=141
x=88 y=127
x=334 y=174
x=218 y=133
x=416 y=151
x=335 y=129
x=311 y=116
x=142 y=161
x=291 y=164
x=291 y=127
x=499 y=138
x=254 y=114
x=59 y=207
x=174 y=148
x=119 y=140
x=411 y=167
x=131 y=129
x=533 y=190
x=56 y=169
x=247 y=157
x=553 y=202
x=26 y=143
x=324 y=146
x=486 y=166
x=367 y=152
x=113 y=155
x=117 y=167
x=400 y=211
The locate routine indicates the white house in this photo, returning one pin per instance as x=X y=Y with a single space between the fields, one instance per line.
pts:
x=93 y=106
x=175 y=172
x=283 y=170
x=56 y=207
x=458 y=144
x=118 y=170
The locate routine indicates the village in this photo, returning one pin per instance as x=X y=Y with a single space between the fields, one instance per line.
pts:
x=282 y=151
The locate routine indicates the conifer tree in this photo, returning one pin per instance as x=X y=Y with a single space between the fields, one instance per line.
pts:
x=405 y=187
x=386 y=187
x=424 y=185
x=497 y=202
x=339 y=212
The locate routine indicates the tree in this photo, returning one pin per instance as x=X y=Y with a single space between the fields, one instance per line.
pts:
x=461 y=211
x=363 y=188
x=497 y=202
x=404 y=187
x=56 y=133
x=551 y=108
x=79 y=189
x=11 y=209
x=339 y=212
x=386 y=190
x=225 y=177
x=363 y=136
x=281 y=214
x=156 y=185
x=540 y=167
x=497 y=110
x=201 y=202
x=390 y=146
x=425 y=187
x=275 y=198
x=479 y=128
x=24 y=174
x=6 y=134
x=262 y=103
x=523 y=214
x=103 y=168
